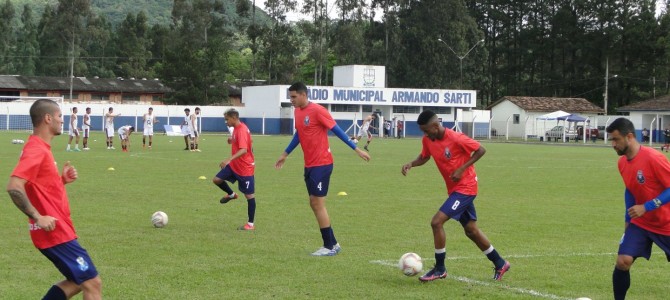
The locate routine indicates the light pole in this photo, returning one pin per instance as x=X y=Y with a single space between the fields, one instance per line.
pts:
x=461 y=57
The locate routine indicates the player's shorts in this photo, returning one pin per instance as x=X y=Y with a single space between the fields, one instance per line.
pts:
x=317 y=180
x=637 y=242
x=148 y=131
x=72 y=261
x=364 y=130
x=87 y=132
x=246 y=184
x=185 y=131
x=109 y=132
x=460 y=207
x=74 y=132
x=194 y=134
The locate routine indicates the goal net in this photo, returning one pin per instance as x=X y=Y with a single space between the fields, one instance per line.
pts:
x=15 y=112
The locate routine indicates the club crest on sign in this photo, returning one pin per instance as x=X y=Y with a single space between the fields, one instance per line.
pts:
x=369 y=77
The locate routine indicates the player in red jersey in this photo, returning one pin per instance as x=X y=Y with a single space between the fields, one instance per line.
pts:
x=646 y=175
x=239 y=167
x=454 y=154
x=38 y=191
x=312 y=122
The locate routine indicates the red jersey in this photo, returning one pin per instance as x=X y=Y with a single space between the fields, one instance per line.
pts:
x=243 y=165
x=646 y=176
x=46 y=191
x=312 y=124
x=450 y=153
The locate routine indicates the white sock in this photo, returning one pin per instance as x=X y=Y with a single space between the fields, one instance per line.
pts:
x=440 y=251
x=250 y=224
x=489 y=250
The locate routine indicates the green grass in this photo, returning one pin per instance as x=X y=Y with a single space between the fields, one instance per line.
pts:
x=556 y=212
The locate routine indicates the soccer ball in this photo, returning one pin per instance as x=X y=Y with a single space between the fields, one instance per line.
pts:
x=159 y=219
x=410 y=264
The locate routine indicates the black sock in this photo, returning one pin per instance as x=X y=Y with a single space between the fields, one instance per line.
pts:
x=251 y=209
x=55 y=293
x=196 y=146
x=144 y=141
x=224 y=186
x=332 y=236
x=495 y=258
x=107 y=143
x=326 y=235
x=439 y=261
x=620 y=283
x=150 y=144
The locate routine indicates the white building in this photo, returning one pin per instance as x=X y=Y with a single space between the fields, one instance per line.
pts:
x=653 y=114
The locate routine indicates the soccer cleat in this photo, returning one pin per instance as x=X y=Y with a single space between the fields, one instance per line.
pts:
x=187 y=148
x=197 y=150
x=498 y=274
x=76 y=150
x=433 y=274
x=227 y=198
x=86 y=148
x=366 y=148
x=337 y=248
x=323 y=251
x=112 y=148
x=246 y=227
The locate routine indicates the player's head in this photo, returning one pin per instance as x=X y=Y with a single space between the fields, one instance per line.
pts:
x=88 y=110
x=298 y=94
x=45 y=112
x=622 y=135
x=151 y=109
x=187 y=111
x=74 y=110
x=131 y=129
x=232 y=116
x=111 y=109
x=430 y=125
x=197 y=110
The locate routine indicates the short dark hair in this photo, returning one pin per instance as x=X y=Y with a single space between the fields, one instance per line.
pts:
x=623 y=125
x=151 y=108
x=111 y=108
x=40 y=108
x=425 y=117
x=232 y=113
x=132 y=128
x=197 y=108
x=188 y=110
x=298 y=87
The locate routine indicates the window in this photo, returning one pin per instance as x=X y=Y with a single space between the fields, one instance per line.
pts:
x=324 y=105
x=99 y=96
x=37 y=94
x=517 y=118
x=367 y=108
x=130 y=97
x=406 y=109
x=344 y=108
x=438 y=109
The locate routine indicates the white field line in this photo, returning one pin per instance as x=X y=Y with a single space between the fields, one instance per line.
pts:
x=393 y=263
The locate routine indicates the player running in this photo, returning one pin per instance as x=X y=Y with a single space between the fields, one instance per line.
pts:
x=149 y=121
x=365 y=129
x=109 y=127
x=646 y=176
x=124 y=135
x=86 y=128
x=454 y=154
x=74 y=131
x=312 y=125
x=239 y=167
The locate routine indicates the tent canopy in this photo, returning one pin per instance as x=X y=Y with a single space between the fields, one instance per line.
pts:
x=553 y=115
x=572 y=118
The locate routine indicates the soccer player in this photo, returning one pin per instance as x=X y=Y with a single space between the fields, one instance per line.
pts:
x=365 y=129
x=239 y=167
x=38 y=191
x=86 y=128
x=74 y=131
x=666 y=134
x=124 y=135
x=646 y=176
x=109 y=127
x=186 y=127
x=194 y=130
x=454 y=154
x=149 y=122
x=312 y=125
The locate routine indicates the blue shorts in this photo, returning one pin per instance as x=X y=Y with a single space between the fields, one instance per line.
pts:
x=637 y=242
x=317 y=180
x=246 y=184
x=72 y=261
x=460 y=207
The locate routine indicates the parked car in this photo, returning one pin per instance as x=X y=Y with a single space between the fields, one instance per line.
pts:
x=595 y=133
x=556 y=133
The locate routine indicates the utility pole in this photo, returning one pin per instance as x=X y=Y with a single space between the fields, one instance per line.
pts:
x=607 y=77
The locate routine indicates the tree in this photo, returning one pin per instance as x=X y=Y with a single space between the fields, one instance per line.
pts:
x=7 y=38
x=132 y=47
x=27 y=45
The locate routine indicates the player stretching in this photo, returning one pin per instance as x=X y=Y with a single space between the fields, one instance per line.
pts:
x=124 y=136
x=149 y=121
x=38 y=191
x=312 y=125
x=365 y=129
x=86 y=128
x=239 y=167
x=74 y=131
x=646 y=175
x=109 y=128
x=454 y=154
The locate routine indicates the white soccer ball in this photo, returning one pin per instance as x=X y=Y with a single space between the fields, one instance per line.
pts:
x=159 y=219
x=15 y=141
x=410 y=264
x=20 y=141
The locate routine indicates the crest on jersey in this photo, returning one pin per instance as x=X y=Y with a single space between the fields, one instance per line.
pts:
x=447 y=153
x=306 y=120
x=640 y=177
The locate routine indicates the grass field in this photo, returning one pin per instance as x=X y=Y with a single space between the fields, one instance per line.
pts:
x=555 y=212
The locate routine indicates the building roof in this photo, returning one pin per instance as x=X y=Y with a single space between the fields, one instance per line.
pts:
x=549 y=104
x=83 y=84
x=661 y=103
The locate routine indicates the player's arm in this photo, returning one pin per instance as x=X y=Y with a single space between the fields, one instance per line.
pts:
x=345 y=138
x=16 y=190
x=629 y=200
x=72 y=118
x=419 y=161
x=238 y=154
x=291 y=146
x=456 y=176
x=637 y=211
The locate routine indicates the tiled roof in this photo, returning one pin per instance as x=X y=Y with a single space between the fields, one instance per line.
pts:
x=549 y=104
x=83 y=84
x=661 y=103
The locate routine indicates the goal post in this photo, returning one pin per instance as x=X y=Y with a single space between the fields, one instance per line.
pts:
x=15 y=112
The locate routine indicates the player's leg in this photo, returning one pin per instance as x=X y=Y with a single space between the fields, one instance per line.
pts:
x=186 y=141
x=191 y=139
x=220 y=181
x=196 y=139
x=473 y=232
x=76 y=143
x=634 y=243
x=76 y=265
x=246 y=185
x=144 y=141
x=151 y=140
x=439 y=271
x=92 y=288
x=317 y=180
x=85 y=141
x=69 y=142
x=369 y=140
